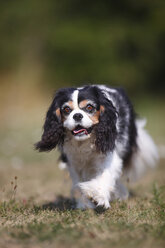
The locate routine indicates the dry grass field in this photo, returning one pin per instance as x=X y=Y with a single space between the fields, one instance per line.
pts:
x=35 y=209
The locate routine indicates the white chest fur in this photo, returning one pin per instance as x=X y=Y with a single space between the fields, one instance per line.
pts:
x=94 y=174
x=83 y=157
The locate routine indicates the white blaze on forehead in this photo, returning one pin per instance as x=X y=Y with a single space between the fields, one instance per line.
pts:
x=69 y=122
x=75 y=99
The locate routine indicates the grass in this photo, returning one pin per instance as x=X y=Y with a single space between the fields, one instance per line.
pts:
x=139 y=222
x=35 y=209
x=39 y=221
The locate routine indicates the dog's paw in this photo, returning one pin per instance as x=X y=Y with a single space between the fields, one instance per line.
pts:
x=95 y=193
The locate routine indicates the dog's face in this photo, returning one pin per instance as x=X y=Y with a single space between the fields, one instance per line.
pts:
x=80 y=112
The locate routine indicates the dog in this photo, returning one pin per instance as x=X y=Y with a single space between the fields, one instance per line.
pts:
x=101 y=141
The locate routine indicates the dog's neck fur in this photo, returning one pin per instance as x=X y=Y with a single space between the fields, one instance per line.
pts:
x=82 y=157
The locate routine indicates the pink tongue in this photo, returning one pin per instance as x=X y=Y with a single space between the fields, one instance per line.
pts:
x=80 y=131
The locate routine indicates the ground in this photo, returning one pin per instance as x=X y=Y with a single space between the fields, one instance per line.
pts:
x=35 y=208
x=42 y=217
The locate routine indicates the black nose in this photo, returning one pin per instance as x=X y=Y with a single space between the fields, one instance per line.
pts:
x=78 y=117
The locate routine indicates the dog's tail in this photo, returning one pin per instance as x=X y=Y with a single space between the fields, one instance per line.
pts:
x=146 y=155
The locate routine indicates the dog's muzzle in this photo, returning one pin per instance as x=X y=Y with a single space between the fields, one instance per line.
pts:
x=79 y=131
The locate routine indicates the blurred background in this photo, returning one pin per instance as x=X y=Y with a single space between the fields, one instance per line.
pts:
x=46 y=45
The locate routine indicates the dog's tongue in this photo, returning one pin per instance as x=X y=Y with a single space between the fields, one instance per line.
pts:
x=80 y=131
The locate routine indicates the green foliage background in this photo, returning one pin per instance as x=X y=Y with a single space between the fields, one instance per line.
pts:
x=114 y=42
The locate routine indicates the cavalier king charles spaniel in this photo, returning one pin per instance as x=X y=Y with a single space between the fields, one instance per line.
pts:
x=100 y=140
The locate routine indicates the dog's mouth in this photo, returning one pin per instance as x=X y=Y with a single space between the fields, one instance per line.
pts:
x=79 y=131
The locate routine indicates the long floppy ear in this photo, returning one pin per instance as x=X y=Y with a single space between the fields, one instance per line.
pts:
x=53 y=133
x=106 y=128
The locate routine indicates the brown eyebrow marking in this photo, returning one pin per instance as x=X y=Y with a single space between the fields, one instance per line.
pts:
x=70 y=103
x=95 y=117
x=83 y=103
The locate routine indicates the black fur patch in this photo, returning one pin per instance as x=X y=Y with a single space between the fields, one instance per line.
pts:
x=105 y=130
x=89 y=93
x=125 y=108
x=53 y=134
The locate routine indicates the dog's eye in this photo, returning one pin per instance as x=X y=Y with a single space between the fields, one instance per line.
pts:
x=67 y=110
x=89 y=108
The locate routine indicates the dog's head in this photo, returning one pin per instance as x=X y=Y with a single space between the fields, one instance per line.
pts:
x=81 y=112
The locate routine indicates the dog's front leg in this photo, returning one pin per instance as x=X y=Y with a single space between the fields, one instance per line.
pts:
x=82 y=202
x=100 y=188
